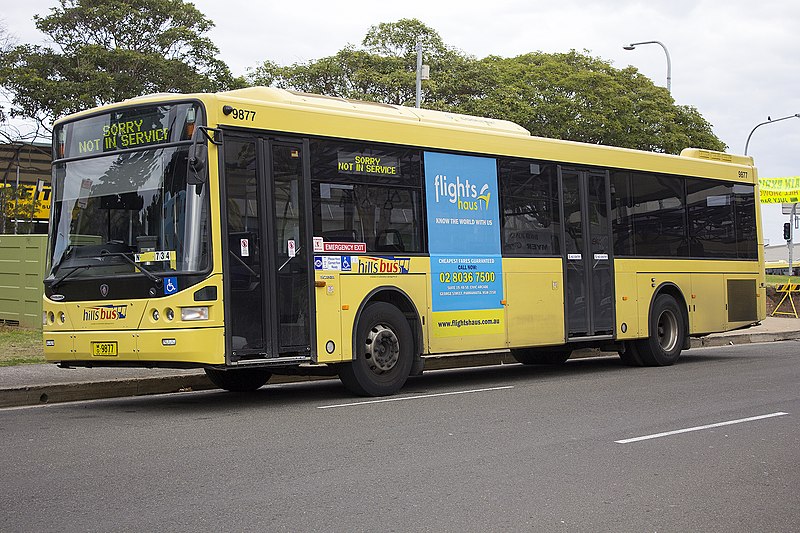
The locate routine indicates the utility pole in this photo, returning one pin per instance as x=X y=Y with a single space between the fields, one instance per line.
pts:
x=16 y=200
x=789 y=241
x=419 y=74
x=423 y=73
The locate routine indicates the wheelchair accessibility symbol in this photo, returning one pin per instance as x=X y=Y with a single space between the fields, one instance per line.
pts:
x=170 y=285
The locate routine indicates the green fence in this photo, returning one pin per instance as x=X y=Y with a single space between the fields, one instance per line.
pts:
x=22 y=261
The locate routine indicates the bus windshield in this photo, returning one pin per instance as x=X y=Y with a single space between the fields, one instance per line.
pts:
x=135 y=203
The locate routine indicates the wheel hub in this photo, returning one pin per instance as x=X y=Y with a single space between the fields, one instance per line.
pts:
x=382 y=349
x=667 y=331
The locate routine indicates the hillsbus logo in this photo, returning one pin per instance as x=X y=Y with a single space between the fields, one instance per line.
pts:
x=105 y=312
x=463 y=193
x=383 y=265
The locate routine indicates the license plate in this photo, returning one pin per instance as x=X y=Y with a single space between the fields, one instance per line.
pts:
x=104 y=348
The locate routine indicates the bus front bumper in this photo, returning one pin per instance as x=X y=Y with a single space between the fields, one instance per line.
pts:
x=165 y=347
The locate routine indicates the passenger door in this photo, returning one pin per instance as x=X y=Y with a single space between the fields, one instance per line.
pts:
x=588 y=256
x=267 y=249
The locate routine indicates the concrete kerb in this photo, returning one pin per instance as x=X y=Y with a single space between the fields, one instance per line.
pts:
x=116 y=388
x=16 y=396
x=96 y=390
x=744 y=338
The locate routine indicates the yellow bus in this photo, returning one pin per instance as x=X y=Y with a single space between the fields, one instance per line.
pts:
x=261 y=231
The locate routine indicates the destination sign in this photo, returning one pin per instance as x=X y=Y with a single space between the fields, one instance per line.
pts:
x=366 y=164
x=129 y=128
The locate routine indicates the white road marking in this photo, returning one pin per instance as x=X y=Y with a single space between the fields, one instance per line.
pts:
x=699 y=428
x=418 y=397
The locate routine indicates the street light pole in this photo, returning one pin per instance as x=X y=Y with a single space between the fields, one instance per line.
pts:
x=789 y=243
x=633 y=46
x=769 y=121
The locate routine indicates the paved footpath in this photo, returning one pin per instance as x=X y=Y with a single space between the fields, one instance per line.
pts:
x=46 y=383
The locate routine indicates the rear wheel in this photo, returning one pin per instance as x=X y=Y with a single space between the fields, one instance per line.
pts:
x=384 y=352
x=239 y=380
x=663 y=345
x=541 y=356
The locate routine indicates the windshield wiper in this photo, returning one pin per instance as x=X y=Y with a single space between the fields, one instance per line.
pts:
x=55 y=283
x=149 y=275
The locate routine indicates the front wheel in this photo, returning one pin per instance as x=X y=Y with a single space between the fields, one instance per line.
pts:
x=663 y=345
x=240 y=379
x=384 y=352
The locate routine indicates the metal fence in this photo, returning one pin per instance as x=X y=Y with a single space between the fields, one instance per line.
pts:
x=22 y=264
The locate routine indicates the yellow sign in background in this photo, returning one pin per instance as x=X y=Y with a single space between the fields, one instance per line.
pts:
x=780 y=190
x=29 y=193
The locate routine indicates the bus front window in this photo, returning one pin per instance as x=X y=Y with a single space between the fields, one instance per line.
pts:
x=135 y=203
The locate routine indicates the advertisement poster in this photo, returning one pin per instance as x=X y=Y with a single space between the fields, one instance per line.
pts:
x=464 y=243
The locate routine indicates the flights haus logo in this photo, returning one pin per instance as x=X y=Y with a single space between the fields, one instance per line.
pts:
x=464 y=194
x=105 y=312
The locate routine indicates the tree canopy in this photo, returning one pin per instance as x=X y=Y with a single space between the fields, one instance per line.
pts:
x=109 y=50
x=383 y=69
x=5 y=45
x=568 y=95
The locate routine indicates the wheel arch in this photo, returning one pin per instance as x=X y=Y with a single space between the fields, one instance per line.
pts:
x=673 y=290
x=401 y=300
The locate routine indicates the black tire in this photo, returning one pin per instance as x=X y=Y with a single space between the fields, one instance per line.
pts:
x=239 y=380
x=667 y=329
x=629 y=355
x=384 y=352
x=541 y=356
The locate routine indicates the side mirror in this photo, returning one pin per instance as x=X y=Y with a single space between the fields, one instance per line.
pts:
x=198 y=158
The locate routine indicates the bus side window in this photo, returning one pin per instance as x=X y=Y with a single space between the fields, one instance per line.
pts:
x=369 y=194
x=530 y=212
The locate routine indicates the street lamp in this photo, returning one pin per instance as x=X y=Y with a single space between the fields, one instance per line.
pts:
x=769 y=121
x=786 y=235
x=632 y=46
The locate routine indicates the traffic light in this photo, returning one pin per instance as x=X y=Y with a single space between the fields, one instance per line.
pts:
x=787 y=231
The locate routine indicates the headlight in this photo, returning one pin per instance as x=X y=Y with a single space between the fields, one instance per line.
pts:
x=194 y=313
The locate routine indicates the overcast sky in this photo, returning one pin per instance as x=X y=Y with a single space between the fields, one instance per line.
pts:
x=736 y=61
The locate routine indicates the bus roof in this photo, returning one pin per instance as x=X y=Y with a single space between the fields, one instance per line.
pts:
x=561 y=150
x=333 y=103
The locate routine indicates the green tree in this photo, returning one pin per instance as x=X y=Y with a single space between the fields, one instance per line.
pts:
x=578 y=97
x=383 y=69
x=6 y=43
x=569 y=95
x=110 y=50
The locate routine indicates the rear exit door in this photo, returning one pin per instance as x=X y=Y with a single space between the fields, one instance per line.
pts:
x=588 y=255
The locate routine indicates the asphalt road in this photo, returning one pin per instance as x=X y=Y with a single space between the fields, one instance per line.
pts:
x=508 y=448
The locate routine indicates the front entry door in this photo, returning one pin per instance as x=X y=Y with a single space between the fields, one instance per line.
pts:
x=267 y=275
x=588 y=257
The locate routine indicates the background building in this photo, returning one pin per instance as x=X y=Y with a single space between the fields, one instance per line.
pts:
x=24 y=187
